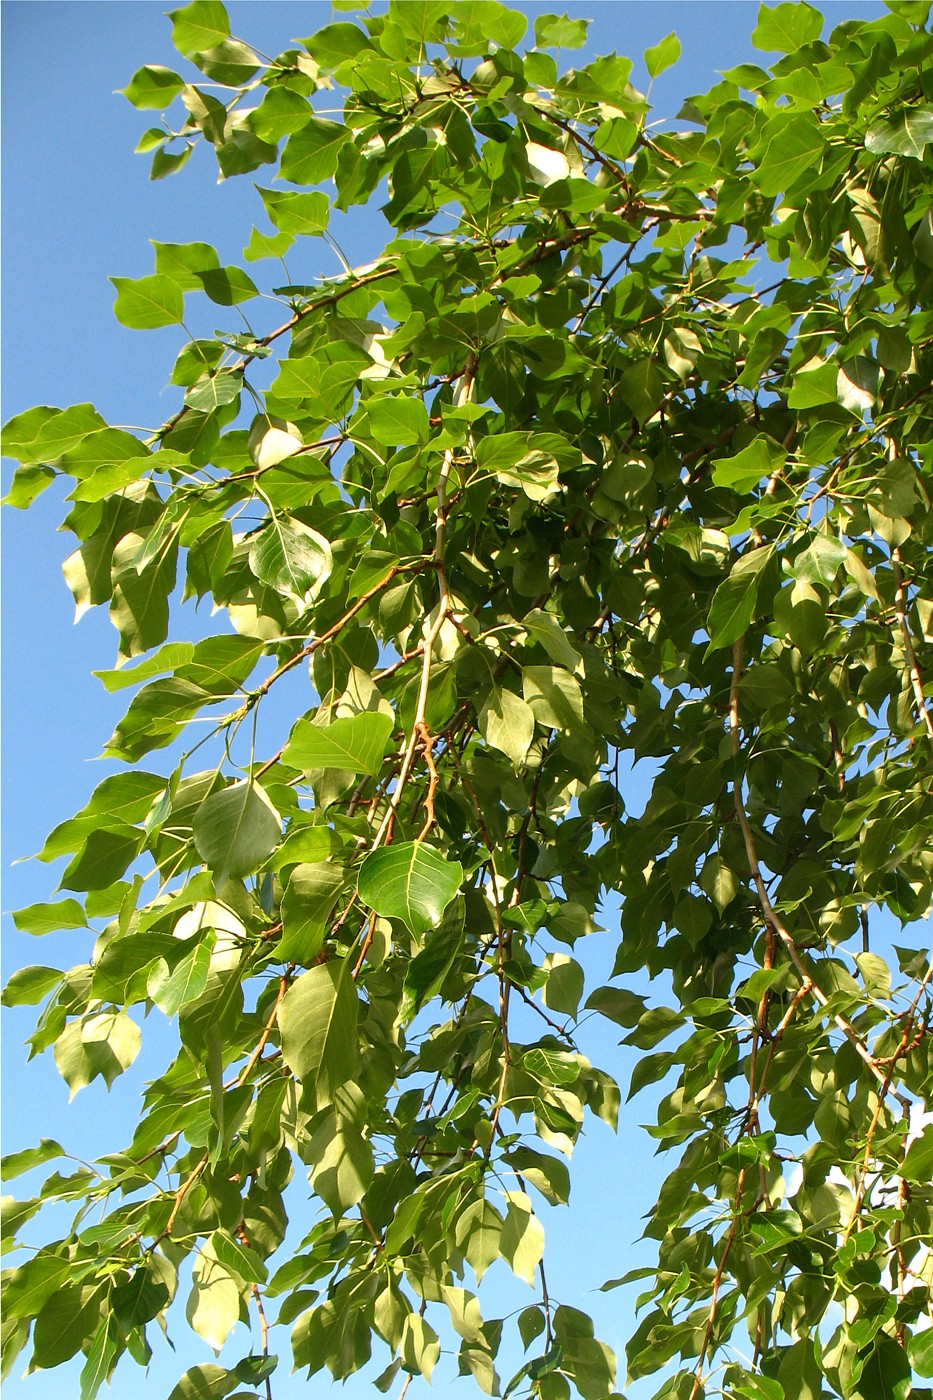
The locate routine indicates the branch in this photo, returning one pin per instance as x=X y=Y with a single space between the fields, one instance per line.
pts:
x=419 y=727
x=771 y=916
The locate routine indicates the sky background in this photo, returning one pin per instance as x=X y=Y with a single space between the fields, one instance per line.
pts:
x=78 y=207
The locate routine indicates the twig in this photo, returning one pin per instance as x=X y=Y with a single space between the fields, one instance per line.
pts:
x=180 y=1195
x=250 y=1065
x=433 y=632
x=771 y=916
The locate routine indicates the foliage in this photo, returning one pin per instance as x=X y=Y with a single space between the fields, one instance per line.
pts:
x=620 y=452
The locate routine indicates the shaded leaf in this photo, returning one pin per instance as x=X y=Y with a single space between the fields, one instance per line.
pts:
x=317 y=1020
x=235 y=829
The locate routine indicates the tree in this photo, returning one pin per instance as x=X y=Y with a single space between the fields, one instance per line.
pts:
x=619 y=455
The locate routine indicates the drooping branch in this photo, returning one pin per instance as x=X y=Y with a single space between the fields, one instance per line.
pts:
x=771 y=916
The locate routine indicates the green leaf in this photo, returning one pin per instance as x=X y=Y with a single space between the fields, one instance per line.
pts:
x=15 y=1163
x=411 y=882
x=397 y=422
x=420 y=1346
x=49 y=918
x=171 y=990
x=238 y=1259
x=429 y=967
x=662 y=55
x=236 y=829
x=719 y=881
x=148 y=302
x=554 y=695
x=291 y=557
x=267 y=245
x=560 y=32
x=908 y=135
x=744 y=471
x=535 y=1370
x=354 y=744
x=184 y=262
x=794 y=149
x=167 y=162
x=786 y=28
x=213 y=1308
x=522 y=1241
x=28 y=985
x=279 y=113
x=204 y=1382
x=228 y=286
x=618 y=1004
x=564 y=986
x=140 y=1299
x=101 y=1356
x=66 y=1319
x=918 y=1163
x=212 y=392
x=153 y=87
x=296 y=213
x=545 y=628
x=343 y=1164
x=311 y=154
x=198 y=26
x=735 y=600
x=507 y=723
x=920 y=1351
x=886 y=1374
x=307 y=904
x=317 y=1020
x=335 y=44
x=104 y=857
x=551 y=1066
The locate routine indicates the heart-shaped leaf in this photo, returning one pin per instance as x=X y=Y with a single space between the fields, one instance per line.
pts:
x=236 y=828
x=356 y=743
x=411 y=882
x=290 y=557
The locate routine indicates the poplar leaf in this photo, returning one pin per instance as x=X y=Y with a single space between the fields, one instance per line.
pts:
x=148 y=302
x=411 y=882
x=522 y=1240
x=213 y=1307
x=507 y=723
x=235 y=829
x=291 y=557
x=354 y=744
x=317 y=1020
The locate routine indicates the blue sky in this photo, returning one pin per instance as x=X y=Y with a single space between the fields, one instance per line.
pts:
x=78 y=207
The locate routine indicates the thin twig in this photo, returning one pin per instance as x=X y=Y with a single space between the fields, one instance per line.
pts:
x=771 y=916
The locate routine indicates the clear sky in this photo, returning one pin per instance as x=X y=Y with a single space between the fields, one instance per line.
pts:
x=78 y=207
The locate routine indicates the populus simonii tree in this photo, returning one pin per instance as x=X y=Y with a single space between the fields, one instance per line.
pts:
x=620 y=450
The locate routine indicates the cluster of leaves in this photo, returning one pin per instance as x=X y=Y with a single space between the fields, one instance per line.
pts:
x=621 y=449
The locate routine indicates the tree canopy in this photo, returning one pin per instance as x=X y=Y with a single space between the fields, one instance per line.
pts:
x=617 y=458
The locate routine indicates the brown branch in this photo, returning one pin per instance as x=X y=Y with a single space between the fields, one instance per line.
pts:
x=438 y=561
x=266 y=340
x=714 y=1296
x=366 y=945
x=427 y=745
x=771 y=916
x=311 y=647
x=180 y=1195
x=246 y=1071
